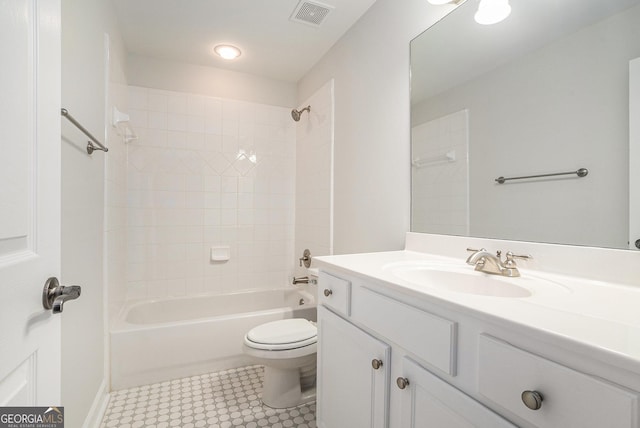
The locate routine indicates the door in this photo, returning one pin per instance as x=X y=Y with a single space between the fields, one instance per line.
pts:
x=428 y=401
x=634 y=154
x=353 y=373
x=29 y=200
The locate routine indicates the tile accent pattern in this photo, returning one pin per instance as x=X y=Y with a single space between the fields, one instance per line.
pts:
x=226 y=399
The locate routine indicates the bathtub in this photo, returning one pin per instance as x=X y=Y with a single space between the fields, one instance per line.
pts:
x=154 y=341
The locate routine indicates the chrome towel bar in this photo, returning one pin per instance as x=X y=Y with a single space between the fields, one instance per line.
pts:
x=90 y=144
x=582 y=172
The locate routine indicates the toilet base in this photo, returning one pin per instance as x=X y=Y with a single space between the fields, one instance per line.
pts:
x=281 y=388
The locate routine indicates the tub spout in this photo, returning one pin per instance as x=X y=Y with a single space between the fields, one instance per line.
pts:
x=305 y=280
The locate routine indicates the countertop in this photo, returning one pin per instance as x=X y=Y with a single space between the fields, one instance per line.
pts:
x=594 y=316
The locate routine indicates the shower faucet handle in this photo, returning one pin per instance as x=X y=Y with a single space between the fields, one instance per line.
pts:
x=305 y=259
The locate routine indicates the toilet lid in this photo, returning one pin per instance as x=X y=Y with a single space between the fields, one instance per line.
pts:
x=283 y=332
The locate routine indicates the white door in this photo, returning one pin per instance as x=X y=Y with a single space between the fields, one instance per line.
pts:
x=634 y=153
x=29 y=200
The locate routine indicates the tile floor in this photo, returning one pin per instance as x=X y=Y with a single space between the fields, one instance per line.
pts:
x=226 y=399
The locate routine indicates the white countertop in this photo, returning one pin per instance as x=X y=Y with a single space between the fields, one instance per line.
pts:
x=594 y=315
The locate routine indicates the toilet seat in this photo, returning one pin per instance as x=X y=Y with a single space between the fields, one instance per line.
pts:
x=282 y=335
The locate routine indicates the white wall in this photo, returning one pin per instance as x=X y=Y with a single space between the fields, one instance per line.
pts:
x=314 y=186
x=116 y=187
x=560 y=108
x=215 y=82
x=84 y=24
x=370 y=66
x=208 y=172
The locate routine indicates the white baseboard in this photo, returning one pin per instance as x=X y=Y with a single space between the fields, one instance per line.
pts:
x=96 y=412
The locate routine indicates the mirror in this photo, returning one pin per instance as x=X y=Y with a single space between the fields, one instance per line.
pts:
x=545 y=91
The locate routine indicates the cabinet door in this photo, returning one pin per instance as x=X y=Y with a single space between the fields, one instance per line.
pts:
x=428 y=401
x=351 y=392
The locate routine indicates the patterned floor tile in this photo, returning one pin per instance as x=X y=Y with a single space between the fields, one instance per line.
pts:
x=226 y=399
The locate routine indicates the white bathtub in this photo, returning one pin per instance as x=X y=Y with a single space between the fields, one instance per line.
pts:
x=158 y=340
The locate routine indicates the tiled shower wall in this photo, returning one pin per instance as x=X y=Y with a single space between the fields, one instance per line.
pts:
x=208 y=172
x=440 y=186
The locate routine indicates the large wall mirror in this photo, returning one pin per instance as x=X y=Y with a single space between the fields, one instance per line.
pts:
x=545 y=91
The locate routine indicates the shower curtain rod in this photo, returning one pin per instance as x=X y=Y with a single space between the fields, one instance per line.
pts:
x=90 y=147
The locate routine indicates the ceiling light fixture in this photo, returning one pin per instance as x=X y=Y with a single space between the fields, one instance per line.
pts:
x=227 y=51
x=492 y=11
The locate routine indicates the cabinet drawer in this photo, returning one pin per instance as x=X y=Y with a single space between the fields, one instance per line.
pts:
x=569 y=398
x=334 y=292
x=429 y=337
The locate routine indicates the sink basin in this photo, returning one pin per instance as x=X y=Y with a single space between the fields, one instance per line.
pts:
x=464 y=279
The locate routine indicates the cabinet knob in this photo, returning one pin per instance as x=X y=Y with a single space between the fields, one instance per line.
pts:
x=532 y=399
x=376 y=364
x=327 y=292
x=402 y=382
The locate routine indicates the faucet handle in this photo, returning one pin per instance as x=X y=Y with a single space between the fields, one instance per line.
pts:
x=510 y=258
x=475 y=250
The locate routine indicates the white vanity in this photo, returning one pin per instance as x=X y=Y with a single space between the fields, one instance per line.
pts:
x=417 y=338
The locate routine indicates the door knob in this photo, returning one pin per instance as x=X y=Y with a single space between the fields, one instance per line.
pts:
x=54 y=295
x=376 y=364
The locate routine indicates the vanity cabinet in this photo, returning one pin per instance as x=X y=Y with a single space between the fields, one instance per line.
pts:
x=389 y=360
x=353 y=378
x=355 y=375
x=557 y=396
x=427 y=401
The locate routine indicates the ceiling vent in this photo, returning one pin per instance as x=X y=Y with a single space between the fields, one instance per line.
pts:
x=310 y=13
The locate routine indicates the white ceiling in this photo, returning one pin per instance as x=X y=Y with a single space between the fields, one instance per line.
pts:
x=272 y=45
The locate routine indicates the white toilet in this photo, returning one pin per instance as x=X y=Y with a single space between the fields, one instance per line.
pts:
x=287 y=349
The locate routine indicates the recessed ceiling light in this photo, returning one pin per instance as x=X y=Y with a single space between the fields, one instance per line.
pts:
x=227 y=51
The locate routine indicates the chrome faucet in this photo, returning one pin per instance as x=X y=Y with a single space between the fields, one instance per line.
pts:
x=486 y=262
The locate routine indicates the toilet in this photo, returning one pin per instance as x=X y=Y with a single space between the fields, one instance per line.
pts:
x=287 y=349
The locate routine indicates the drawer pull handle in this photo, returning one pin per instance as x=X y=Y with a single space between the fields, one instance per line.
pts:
x=327 y=292
x=376 y=364
x=532 y=399
x=402 y=382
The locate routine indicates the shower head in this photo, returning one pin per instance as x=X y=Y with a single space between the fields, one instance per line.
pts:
x=295 y=114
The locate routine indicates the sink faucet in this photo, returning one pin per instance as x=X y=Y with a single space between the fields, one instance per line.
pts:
x=486 y=262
